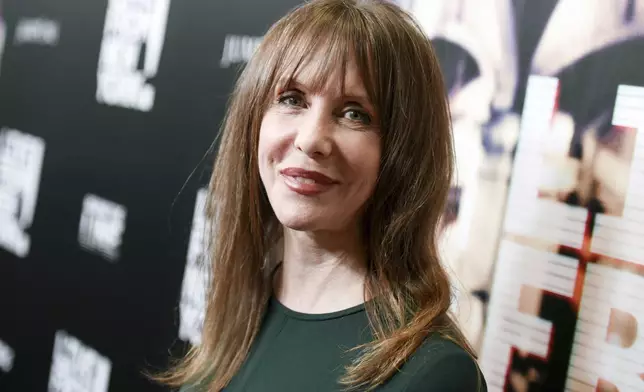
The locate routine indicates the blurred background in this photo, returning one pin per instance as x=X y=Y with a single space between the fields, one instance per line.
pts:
x=107 y=112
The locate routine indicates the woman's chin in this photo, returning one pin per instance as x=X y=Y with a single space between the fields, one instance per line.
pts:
x=301 y=222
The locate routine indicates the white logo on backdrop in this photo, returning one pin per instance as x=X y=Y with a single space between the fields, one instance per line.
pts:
x=134 y=34
x=193 y=291
x=76 y=367
x=102 y=224
x=6 y=357
x=21 y=158
x=38 y=31
x=238 y=49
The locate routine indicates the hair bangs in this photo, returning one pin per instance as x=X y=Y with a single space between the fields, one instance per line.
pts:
x=317 y=45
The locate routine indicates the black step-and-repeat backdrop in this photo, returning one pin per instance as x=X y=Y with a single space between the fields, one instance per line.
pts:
x=107 y=112
x=106 y=108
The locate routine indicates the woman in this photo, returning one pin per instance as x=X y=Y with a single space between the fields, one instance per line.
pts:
x=326 y=198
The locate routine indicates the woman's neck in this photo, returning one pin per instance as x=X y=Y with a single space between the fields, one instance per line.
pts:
x=321 y=272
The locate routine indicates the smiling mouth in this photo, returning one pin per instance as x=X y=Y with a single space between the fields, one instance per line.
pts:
x=306 y=186
x=307 y=176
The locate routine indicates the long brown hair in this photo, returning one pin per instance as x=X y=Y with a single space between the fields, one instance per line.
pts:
x=409 y=287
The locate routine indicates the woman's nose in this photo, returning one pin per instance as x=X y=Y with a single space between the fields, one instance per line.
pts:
x=314 y=136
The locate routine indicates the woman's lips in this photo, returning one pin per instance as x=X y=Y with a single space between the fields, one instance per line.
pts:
x=306 y=182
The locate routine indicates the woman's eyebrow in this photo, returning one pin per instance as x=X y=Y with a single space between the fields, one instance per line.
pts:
x=362 y=99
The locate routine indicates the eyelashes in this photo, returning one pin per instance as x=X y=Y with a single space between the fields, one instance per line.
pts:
x=360 y=116
x=291 y=99
x=294 y=99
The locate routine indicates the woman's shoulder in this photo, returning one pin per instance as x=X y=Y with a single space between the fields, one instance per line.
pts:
x=440 y=364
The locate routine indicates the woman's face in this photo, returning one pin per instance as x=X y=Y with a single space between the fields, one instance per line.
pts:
x=319 y=152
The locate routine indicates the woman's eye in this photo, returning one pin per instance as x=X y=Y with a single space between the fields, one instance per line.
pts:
x=357 y=115
x=290 y=100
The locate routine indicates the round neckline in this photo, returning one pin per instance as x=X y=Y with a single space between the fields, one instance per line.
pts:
x=315 y=316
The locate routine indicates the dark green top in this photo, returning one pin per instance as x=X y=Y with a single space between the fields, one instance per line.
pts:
x=297 y=352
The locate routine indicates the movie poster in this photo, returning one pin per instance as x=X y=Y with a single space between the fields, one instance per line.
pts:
x=548 y=207
x=566 y=301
